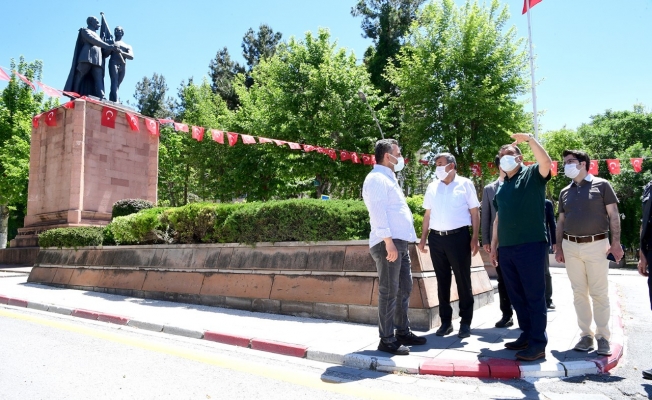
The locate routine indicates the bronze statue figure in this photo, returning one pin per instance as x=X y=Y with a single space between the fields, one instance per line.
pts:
x=118 y=63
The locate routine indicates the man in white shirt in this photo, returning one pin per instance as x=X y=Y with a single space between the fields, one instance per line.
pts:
x=451 y=205
x=392 y=228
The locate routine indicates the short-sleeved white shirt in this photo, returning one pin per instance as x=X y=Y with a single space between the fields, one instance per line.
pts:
x=449 y=205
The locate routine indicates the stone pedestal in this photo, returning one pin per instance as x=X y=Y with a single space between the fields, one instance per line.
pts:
x=79 y=168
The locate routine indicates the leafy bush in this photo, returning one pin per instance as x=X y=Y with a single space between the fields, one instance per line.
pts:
x=416 y=204
x=72 y=237
x=201 y=222
x=136 y=228
x=129 y=206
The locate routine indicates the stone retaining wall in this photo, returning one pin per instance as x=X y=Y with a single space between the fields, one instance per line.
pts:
x=333 y=280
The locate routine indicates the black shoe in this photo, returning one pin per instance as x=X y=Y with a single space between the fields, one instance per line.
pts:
x=504 y=322
x=551 y=305
x=410 y=339
x=647 y=374
x=445 y=329
x=394 y=348
x=518 y=344
x=531 y=354
x=465 y=331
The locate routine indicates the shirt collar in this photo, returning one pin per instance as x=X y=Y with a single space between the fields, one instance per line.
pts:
x=520 y=169
x=385 y=171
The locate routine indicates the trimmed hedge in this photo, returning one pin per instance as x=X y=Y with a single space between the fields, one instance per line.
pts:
x=129 y=206
x=136 y=228
x=72 y=237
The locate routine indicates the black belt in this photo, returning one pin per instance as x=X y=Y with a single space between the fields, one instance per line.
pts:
x=585 y=239
x=451 y=232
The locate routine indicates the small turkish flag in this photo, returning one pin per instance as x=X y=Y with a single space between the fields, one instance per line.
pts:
x=50 y=91
x=69 y=105
x=532 y=3
x=373 y=159
x=233 y=138
x=35 y=120
x=248 y=139
x=637 y=164
x=294 y=146
x=4 y=76
x=492 y=167
x=71 y=94
x=108 y=117
x=553 y=168
x=264 y=140
x=165 y=121
x=279 y=142
x=476 y=168
x=51 y=118
x=217 y=136
x=331 y=153
x=179 y=127
x=308 y=148
x=132 y=120
x=24 y=79
x=345 y=155
x=614 y=166
x=593 y=167
x=355 y=158
x=198 y=133
x=152 y=126
x=366 y=159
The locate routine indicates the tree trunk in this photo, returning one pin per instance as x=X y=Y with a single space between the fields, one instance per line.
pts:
x=4 y=225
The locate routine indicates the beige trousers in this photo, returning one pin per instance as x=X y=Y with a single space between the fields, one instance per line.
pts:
x=588 y=270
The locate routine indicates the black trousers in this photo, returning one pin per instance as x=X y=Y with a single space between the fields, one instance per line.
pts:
x=453 y=252
x=505 y=304
x=546 y=261
x=648 y=254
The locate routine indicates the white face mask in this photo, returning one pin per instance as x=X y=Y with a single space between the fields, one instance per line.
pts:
x=508 y=163
x=441 y=173
x=400 y=163
x=571 y=170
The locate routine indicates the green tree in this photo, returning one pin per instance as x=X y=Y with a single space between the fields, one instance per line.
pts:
x=222 y=71
x=460 y=74
x=151 y=97
x=259 y=45
x=555 y=142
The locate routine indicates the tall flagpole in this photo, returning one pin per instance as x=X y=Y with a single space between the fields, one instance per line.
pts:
x=534 y=89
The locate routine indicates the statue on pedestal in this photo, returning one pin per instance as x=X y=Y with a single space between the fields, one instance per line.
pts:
x=117 y=62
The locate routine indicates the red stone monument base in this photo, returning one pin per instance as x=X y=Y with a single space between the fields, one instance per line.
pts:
x=79 y=168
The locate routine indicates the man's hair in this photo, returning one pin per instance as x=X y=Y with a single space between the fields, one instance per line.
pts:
x=508 y=146
x=497 y=161
x=449 y=158
x=383 y=147
x=91 y=18
x=580 y=155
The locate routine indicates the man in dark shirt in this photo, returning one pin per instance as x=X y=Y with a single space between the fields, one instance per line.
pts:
x=519 y=242
x=551 y=233
x=646 y=247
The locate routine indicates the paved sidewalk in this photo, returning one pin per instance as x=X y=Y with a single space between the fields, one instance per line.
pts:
x=481 y=355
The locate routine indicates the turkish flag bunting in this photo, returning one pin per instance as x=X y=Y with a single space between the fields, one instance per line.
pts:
x=593 y=167
x=308 y=148
x=355 y=158
x=35 y=120
x=132 y=120
x=51 y=118
x=366 y=159
x=320 y=150
x=553 y=168
x=69 y=105
x=108 y=117
x=614 y=166
x=165 y=121
x=24 y=79
x=294 y=146
x=4 y=76
x=179 y=127
x=217 y=136
x=50 y=91
x=492 y=167
x=424 y=162
x=248 y=139
x=71 y=94
x=279 y=142
x=332 y=154
x=637 y=164
x=233 y=138
x=152 y=126
x=532 y=4
x=264 y=140
x=373 y=159
x=476 y=168
x=345 y=155
x=198 y=133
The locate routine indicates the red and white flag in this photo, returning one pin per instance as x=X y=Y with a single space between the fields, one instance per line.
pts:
x=24 y=79
x=165 y=121
x=264 y=140
x=553 y=168
x=152 y=126
x=132 y=120
x=308 y=148
x=492 y=167
x=345 y=155
x=71 y=94
x=593 y=167
x=198 y=133
x=294 y=146
x=179 y=127
x=51 y=118
x=531 y=4
x=637 y=164
x=366 y=159
x=217 y=136
x=355 y=158
x=332 y=153
x=35 y=120
x=233 y=138
x=69 y=105
x=108 y=116
x=279 y=142
x=248 y=139
x=4 y=76
x=50 y=91
x=476 y=168
x=614 y=166
x=373 y=159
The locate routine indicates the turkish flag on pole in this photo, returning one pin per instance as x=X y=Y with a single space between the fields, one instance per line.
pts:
x=217 y=136
x=476 y=168
x=532 y=3
x=233 y=138
x=35 y=120
x=179 y=127
x=198 y=133
x=51 y=118
x=593 y=167
x=248 y=139
x=152 y=126
x=294 y=146
x=553 y=168
x=637 y=164
x=264 y=140
x=108 y=117
x=614 y=166
x=24 y=79
x=50 y=91
x=132 y=120
x=4 y=76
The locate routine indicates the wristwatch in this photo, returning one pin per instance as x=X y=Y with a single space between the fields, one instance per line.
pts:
x=529 y=137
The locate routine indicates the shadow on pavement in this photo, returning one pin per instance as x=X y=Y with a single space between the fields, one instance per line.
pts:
x=605 y=378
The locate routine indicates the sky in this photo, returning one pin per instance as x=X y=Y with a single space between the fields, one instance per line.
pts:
x=591 y=55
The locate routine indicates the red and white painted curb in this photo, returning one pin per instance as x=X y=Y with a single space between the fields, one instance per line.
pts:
x=487 y=368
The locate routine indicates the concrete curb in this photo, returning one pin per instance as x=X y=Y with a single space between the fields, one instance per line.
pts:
x=495 y=368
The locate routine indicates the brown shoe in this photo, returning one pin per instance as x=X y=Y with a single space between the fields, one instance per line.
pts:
x=518 y=344
x=530 y=354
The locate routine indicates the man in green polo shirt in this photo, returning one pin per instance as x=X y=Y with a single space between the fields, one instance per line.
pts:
x=521 y=244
